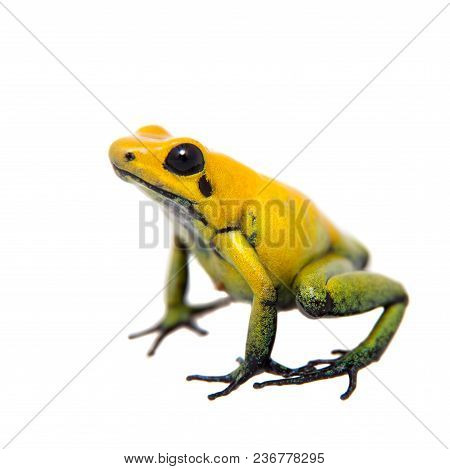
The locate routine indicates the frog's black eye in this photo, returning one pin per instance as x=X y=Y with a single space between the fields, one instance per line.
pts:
x=184 y=160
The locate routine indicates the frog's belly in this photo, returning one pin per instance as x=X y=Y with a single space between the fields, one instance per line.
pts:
x=228 y=279
x=223 y=274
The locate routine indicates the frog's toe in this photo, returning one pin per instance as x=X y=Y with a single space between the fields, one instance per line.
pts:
x=210 y=379
x=194 y=327
x=230 y=388
x=163 y=333
x=237 y=377
x=212 y=306
x=157 y=341
x=145 y=332
x=339 y=351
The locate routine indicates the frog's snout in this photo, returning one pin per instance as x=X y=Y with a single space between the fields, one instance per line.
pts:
x=123 y=158
x=121 y=155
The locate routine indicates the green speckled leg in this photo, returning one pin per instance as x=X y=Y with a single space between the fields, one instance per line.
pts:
x=178 y=313
x=260 y=340
x=329 y=288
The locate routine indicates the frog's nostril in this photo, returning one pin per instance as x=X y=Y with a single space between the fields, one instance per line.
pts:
x=129 y=156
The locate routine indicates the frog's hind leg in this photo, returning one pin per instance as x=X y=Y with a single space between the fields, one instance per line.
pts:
x=330 y=287
x=178 y=313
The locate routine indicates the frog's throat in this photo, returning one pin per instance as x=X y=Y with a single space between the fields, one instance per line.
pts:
x=169 y=196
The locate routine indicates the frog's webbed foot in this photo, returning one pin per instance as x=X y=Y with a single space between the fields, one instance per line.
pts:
x=349 y=363
x=240 y=375
x=178 y=317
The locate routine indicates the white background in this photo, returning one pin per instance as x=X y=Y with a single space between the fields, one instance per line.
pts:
x=256 y=80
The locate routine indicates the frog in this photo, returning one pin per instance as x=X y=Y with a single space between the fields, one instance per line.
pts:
x=263 y=243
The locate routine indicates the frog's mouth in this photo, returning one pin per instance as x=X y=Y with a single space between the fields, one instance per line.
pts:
x=174 y=201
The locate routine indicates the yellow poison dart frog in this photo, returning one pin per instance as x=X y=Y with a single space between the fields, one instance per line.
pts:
x=261 y=242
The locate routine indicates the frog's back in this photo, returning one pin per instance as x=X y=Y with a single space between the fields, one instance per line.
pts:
x=286 y=229
x=283 y=225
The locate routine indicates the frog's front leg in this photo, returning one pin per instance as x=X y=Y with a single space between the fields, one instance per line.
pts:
x=234 y=248
x=178 y=313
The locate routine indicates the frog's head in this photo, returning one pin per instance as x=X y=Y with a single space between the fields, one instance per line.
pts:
x=167 y=169
x=182 y=172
